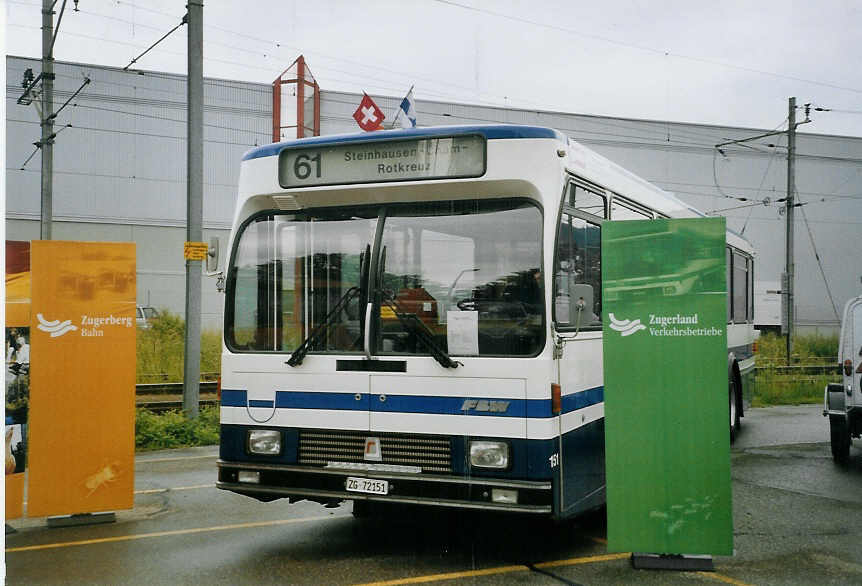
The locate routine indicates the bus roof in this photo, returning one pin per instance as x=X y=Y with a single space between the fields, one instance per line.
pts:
x=489 y=131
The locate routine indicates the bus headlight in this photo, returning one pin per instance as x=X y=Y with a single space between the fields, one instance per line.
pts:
x=264 y=441
x=485 y=454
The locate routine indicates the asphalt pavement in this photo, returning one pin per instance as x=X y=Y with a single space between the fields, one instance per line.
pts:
x=797 y=520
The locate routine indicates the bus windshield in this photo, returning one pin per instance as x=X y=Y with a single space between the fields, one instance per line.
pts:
x=467 y=273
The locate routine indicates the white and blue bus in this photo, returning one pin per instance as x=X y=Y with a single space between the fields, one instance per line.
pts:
x=400 y=324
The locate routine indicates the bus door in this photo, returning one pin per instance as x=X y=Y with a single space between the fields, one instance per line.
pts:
x=577 y=322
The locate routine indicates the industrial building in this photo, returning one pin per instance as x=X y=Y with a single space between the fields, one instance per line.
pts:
x=120 y=168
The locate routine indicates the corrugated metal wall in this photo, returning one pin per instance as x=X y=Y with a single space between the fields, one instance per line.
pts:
x=121 y=166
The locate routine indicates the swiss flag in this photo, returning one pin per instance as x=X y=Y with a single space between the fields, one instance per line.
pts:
x=368 y=116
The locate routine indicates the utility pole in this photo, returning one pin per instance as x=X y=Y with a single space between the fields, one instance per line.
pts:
x=787 y=277
x=47 y=141
x=788 y=209
x=194 y=208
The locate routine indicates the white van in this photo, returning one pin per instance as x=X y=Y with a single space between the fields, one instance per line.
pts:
x=843 y=402
x=144 y=316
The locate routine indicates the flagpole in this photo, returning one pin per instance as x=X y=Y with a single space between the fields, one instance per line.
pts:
x=398 y=107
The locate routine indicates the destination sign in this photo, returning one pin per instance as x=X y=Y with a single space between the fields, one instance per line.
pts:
x=391 y=160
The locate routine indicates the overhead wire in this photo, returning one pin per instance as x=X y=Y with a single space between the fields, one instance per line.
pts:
x=412 y=75
x=185 y=20
x=50 y=116
x=759 y=187
x=717 y=150
x=246 y=65
x=279 y=45
x=138 y=133
x=645 y=48
x=819 y=262
x=39 y=144
x=133 y=177
x=709 y=213
x=348 y=73
x=168 y=119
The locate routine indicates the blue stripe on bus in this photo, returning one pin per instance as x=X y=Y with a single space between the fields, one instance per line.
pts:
x=233 y=398
x=309 y=400
x=489 y=131
x=450 y=405
x=432 y=405
x=583 y=399
x=261 y=404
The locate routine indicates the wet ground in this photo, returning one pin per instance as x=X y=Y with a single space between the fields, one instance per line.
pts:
x=797 y=520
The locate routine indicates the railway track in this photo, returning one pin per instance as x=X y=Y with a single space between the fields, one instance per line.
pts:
x=160 y=397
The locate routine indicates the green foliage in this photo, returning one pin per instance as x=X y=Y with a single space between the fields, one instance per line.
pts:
x=173 y=429
x=810 y=349
x=776 y=388
x=781 y=389
x=161 y=347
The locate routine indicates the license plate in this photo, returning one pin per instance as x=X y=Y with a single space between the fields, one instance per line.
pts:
x=367 y=485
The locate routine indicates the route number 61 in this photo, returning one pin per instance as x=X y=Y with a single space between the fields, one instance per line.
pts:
x=304 y=165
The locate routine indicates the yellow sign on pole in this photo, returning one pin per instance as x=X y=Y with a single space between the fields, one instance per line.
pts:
x=195 y=250
x=82 y=384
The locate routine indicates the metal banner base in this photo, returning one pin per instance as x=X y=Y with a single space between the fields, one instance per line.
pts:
x=82 y=519
x=685 y=563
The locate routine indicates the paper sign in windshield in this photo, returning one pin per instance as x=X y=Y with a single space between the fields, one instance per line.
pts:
x=462 y=332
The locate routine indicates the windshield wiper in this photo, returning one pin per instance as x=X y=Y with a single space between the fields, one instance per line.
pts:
x=418 y=327
x=299 y=354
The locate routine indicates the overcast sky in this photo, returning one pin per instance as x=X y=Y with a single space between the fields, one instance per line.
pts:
x=730 y=62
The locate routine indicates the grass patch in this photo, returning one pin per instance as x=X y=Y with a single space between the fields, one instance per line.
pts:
x=776 y=388
x=160 y=355
x=161 y=347
x=780 y=389
x=173 y=429
x=811 y=349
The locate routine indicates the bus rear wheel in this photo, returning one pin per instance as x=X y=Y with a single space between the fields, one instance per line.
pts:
x=732 y=394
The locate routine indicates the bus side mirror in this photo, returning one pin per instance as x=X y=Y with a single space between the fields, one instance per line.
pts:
x=212 y=255
x=583 y=303
x=573 y=302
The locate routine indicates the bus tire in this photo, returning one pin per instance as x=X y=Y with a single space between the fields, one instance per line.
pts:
x=733 y=402
x=839 y=434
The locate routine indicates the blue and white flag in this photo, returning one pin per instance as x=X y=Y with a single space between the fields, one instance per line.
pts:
x=407 y=111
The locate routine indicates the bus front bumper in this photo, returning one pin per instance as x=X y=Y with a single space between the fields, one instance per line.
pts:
x=269 y=481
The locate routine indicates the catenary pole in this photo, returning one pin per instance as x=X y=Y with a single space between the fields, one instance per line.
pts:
x=194 y=207
x=46 y=143
x=789 y=208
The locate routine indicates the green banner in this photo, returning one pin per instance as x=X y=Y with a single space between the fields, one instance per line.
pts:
x=666 y=399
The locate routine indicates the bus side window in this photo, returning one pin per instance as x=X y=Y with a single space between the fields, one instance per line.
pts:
x=587 y=201
x=740 y=288
x=751 y=290
x=729 y=285
x=578 y=273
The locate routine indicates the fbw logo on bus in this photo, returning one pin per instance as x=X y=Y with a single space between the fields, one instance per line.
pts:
x=485 y=405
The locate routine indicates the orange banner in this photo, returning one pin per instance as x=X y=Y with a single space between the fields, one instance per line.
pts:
x=82 y=382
